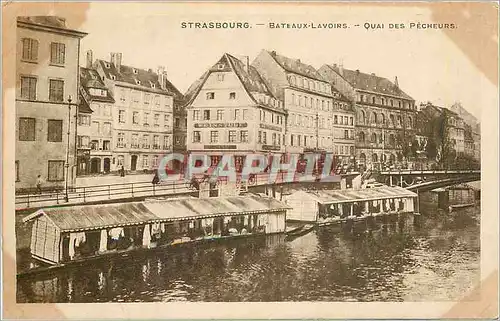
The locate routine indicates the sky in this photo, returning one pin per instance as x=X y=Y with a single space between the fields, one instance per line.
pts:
x=428 y=65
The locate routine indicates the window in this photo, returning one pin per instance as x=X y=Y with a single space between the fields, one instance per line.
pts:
x=346 y=134
x=120 y=142
x=157 y=101
x=232 y=136
x=83 y=120
x=135 y=117
x=244 y=136
x=196 y=136
x=94 y=145
x=214 y=136
x=155 y=161
x=264 y=138
x=56 y=90
x=293 y=99
x=220 y=77
x=28 y=88
x=145 y=161
x=54 y=130
x=56 y=171
x=135 y=141
x=259 y=139
x=157 y=120
x=135 y=97
x=335 y=119
x=167 y=121
x=273 y=139
x=122 y=95
x=147 y=98
x=30 y=49
x=120 y=160
x=95 y=127
x=236 y=114
x=196 y=115
x=220 y=114
x=121 y=116
x=351 y=121
x=145 y=141
x=57 y=53
x=17 y=171
x=291 y=140
x=177 y=122
x=156 y=142
x=210 y=95
x=106 y=145
x=146 y=119
x=83 y=141
x=166 y=142
x=232 y=96
x=206 y=115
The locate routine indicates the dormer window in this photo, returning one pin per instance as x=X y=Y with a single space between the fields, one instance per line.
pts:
x=137 y=81
x=108 y=65
x=134 y=71
x=113 y=77
x=153 y=86
x=220 y=66
x=103 y=78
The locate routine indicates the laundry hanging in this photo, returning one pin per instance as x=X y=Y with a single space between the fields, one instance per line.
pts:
x=103 y=244
x=146 y=236
x=72 y=238
x=162 y=225
x=80 y=238
x=116 y=233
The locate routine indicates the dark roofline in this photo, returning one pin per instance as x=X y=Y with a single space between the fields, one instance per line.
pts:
x=293 y=71
x=48 y=28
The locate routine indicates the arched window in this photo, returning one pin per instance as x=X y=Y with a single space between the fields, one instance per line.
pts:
x=374 y=158
x=374 y=138
x=392 y=158
x=374 y=118
x=392 y=140
x=373 y=100
x=362 y=157
x=362 y=137
x=292 y=80
x=362 y=116
x=400 y=121
x=391 y=117
x=383 y=157
x=382 y=119
x=410 y=123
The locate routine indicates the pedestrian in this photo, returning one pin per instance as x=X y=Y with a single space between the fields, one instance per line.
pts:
x=122 y=171
x=39 y=182
x=156 y=179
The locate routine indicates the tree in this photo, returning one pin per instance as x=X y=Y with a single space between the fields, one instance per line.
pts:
x=431 y=149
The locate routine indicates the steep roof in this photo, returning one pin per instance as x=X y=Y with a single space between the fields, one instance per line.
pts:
x=89 y=78
x=148 y=80
x=250 y=78
x=52 y=23
x=370 y=82
x=296 y=66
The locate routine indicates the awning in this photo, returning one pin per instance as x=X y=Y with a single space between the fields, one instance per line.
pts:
x=361 y=195
x=90 y=217
x=190 y=208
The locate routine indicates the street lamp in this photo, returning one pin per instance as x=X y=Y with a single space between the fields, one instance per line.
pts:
x=66 y=197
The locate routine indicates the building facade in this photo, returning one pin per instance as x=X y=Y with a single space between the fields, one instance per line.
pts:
x=142 y=128
x=46 y=100
x=472 y=124
x=310 y=103
x=95 y=124
x=231 y=110
x=385 y=115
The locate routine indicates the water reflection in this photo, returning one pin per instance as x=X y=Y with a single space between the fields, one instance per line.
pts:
x=432 y=257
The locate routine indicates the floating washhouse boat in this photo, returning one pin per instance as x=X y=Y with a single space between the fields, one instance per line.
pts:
x=325 y=207
x=70 y=234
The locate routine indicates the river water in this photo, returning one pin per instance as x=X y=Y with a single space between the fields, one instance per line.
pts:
x=432 y=257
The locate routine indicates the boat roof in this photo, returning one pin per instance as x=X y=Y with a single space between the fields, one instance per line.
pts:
x=89 y=217
x=182 y=209
x=359 y=195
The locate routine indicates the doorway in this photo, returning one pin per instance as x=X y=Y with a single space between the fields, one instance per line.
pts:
x=95 y=165
x=133 y=163
x=107 y=165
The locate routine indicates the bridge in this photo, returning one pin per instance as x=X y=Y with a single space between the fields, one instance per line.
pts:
x=410 y=179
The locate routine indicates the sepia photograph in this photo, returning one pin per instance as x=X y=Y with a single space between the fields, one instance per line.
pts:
x=284 y=153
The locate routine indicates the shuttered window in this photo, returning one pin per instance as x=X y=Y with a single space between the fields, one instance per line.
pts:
x=30 y=49
x=57 y=53
x=56 y=90
x=54 y=130
x=28 y=88
x=56 y=170
x=27 y=129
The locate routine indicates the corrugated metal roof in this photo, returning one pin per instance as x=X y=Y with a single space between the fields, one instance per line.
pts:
x=366 y=194
x=189 y=208
x=96 y=216
x=111 y=215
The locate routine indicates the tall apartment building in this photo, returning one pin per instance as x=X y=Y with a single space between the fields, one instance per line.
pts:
x=231 y=110
x=311 y=104
x=46 y=100
x=142 y=127
x=95 y=124
x=385 y=114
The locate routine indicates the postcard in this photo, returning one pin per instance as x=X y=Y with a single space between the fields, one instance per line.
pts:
x=250 y=160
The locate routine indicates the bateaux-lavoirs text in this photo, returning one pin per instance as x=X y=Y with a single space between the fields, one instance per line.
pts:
x=307 y=25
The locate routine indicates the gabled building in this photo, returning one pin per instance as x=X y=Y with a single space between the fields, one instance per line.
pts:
x=142 y=128
x=95 y=123
x=311 y=104
x=385 y=114
x=46 y=100
x=231 y=110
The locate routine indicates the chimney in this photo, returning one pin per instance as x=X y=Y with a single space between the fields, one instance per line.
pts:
x=396 y=81
x=90 y=59
x=116 y=60
x=341 y=70
x=357 y=71
x=247 y=63
x=162 y=76
x=273 y=53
